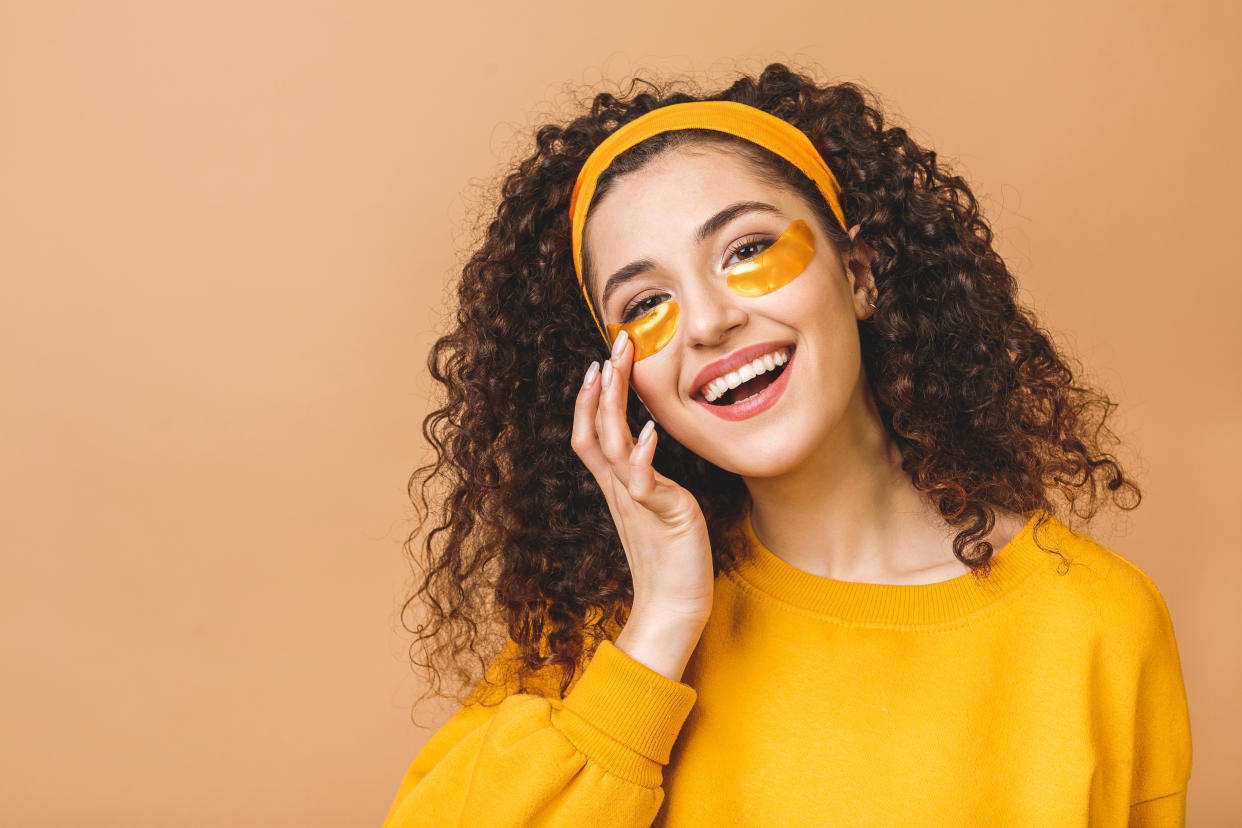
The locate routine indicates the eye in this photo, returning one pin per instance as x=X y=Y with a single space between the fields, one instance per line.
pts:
x=751 y=245
x=640 y=306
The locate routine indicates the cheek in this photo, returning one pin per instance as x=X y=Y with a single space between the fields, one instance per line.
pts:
x=812 y=300
x=654 y=380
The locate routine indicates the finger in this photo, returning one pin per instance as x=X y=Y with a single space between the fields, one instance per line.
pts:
x=646 y=486
x=615 y=437
x=584 y=437
x=641 y=483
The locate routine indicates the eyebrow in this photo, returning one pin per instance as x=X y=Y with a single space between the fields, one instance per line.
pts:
x=705 y=231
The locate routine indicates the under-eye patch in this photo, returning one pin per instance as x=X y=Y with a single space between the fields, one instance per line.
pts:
x=651 y=331
x=777 y=265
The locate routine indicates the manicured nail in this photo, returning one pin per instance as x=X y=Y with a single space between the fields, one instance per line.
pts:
x=644 y=436
x=591 y=374
x=619 y=343
x=607 y=373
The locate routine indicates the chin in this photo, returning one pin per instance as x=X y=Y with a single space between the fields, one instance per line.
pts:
x=768 y=461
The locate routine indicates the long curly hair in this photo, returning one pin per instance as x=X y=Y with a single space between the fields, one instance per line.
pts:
x=985 y=409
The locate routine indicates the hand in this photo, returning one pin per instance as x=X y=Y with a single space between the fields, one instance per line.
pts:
x=662 y=528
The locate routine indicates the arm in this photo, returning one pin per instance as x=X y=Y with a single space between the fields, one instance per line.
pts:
x=1161 y=812
x=1162 y=745
x=594 y=758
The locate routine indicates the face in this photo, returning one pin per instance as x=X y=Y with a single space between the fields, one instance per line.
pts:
x=714 y=301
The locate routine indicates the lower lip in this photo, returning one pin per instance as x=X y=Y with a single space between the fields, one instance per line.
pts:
x=762 y=401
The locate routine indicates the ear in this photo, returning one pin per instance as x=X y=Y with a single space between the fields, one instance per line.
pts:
x=858 y=267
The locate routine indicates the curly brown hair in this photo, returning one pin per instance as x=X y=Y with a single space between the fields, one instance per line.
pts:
x=983 y=406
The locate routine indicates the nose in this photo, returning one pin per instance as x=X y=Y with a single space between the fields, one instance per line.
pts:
x=709 y=312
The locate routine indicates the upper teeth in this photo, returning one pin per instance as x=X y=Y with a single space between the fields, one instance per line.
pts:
x=768 y=362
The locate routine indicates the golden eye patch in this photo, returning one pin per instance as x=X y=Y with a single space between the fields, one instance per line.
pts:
x=786 y=258
x=651 y=331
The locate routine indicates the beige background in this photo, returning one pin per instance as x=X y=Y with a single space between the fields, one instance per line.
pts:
x=225 y=235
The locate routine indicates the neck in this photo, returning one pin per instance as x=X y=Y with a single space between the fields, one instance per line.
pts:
x=850 y=512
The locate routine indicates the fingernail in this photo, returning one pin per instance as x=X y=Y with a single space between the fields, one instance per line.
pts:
x=648 y=430
x=619 y=342
x=607 y=373
x=591 y=373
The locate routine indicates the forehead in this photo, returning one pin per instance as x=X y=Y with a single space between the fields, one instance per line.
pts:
x=657 y=207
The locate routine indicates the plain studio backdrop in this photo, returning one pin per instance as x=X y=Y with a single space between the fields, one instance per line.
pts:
x=226 y=235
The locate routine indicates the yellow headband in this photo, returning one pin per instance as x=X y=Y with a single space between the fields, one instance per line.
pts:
x=751 y=123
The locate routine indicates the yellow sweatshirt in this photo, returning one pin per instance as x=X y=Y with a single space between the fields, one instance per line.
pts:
x=1040 y=698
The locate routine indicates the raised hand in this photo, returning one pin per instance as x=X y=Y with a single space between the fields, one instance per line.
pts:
x=661 y=526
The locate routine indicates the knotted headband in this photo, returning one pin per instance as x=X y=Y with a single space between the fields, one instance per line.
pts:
x=751 y=123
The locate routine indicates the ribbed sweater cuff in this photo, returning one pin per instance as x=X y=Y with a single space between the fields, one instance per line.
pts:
x=625 y=715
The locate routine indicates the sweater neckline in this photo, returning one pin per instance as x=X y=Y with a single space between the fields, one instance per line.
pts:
x=889 y=604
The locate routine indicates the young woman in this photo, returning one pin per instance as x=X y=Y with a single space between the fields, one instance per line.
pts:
x=792 y=556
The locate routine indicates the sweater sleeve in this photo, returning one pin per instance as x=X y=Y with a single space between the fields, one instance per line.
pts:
x=1162 y=745
x=595 y=757
x=1161 y=812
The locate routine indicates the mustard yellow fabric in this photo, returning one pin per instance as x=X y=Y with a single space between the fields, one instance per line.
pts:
x=1042 y=699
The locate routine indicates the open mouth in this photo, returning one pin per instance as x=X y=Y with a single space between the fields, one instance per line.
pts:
x=749 y=389
x=752 y=396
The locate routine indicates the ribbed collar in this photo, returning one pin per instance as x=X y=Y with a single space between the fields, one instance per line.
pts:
x=895 y=604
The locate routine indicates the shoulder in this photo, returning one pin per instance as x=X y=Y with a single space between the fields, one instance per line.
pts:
x=1120 y=593
x=1137 y=604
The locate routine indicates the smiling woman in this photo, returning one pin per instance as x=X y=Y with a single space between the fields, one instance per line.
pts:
x=833 y=576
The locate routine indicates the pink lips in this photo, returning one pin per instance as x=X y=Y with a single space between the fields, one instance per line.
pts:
x=762 y=401
x=736 y=360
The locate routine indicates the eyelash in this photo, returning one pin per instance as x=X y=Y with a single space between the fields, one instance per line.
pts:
x=628 y=312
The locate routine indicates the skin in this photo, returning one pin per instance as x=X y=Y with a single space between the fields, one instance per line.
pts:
x=830 y=497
